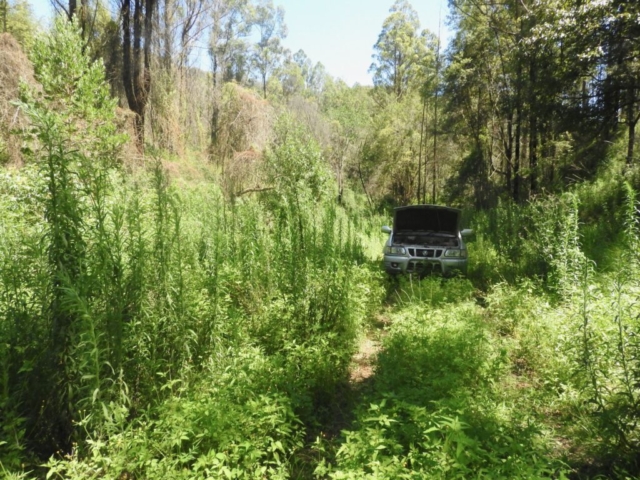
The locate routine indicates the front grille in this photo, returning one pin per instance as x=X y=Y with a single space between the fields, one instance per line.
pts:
x=415 y=266
x=423 y=268
x=425 y=252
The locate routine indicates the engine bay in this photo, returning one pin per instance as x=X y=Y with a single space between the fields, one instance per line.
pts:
x=426 y=240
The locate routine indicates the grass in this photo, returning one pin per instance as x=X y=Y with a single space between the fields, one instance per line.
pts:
x=446 y=399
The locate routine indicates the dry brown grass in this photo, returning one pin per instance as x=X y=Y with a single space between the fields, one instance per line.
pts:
x=363 y=362
x=243 y=173
x=15 y=68
x=244 y=130
x=132 y=158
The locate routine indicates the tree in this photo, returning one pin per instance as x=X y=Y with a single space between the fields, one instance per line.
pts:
x=400 y=49
x=349 y=111
x=17 y=19
x=4 y=13
x=267 y=52
x=230 y=26
x=523 y=77
x=506 y=86
x=136 y=50
x=314 y=75
x=227 y=49
x=71 y=10
x=480 y=91
x=180 y=23
x=291 y=76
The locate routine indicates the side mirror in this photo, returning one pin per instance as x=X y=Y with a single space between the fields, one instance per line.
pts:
x=386 y=229
x=466 y=232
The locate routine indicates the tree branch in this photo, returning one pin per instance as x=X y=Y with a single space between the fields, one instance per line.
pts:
x=254 y=190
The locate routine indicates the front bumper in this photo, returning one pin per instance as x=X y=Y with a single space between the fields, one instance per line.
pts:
x=405 y=264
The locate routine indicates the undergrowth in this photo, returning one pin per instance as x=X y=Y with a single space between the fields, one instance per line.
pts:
x=156 y=332
x=528 y=369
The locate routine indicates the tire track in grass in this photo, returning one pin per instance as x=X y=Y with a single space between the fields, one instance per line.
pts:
x=364 y=360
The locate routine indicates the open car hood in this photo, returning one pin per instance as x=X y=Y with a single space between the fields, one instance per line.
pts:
x=424 y=218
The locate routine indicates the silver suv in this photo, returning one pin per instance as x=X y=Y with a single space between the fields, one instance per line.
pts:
x=425 y=238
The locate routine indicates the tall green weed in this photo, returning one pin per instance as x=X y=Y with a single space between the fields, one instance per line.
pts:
x=436 y=407
x=134 y=312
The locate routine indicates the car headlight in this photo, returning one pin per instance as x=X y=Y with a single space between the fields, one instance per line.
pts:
x=456 y=253
x=395 y=250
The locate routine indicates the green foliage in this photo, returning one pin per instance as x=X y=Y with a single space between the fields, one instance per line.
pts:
x=75 y=103
x=154 y=331
x=432 y=291
x=402 y=50
x=390 y=151
x=401 y=440
x=294 y=164
x=73 y=144
x=217 y=423
x=548 y=354
x=589 y=358
x=20 y=21
x=433 y=411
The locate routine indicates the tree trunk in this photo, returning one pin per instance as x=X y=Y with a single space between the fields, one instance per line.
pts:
x=516 y=164
x=516 y=161
x=509 y=151
x=422 y=125
x=435 y=126
x=168 y=24
x=83 y=12
x=632 y=119
x=434 y=171
x=4 y=11
x=136 y=73
x=84 y=19
x=264 y=85
x=533 y=128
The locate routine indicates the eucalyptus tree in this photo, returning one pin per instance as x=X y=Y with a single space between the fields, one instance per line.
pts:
x=469 y=111
x=70 y=8
x=180 y=25
x=505 y=86
x=137 y=37
x=484 y=85
x=314 y=75
x=230 y=26
x=400 y=50
x=228 y=49
x=404 y=74
x=291 y=76
x=526 y=78
x=191 y=26
x=17 y=19
x=268 y=50
x=4 y=13
x=349 y=111
x=605 y=38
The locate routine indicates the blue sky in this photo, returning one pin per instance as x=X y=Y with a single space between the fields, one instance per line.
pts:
x=341 y=33
x=338 y=33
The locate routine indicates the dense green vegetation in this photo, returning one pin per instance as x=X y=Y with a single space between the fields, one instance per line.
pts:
x=186 y=300
x=138 y=315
